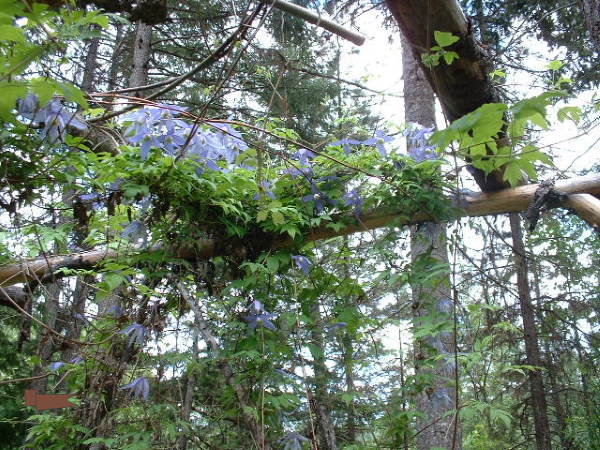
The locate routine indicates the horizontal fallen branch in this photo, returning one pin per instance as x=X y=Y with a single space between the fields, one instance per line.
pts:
x=579 y=192
x=318 y=20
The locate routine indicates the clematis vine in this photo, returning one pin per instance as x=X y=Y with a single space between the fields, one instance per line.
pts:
x=379 y=141
x=354 y=199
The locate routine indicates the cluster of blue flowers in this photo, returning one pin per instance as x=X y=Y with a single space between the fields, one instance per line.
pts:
x=378 y=140
x=55 y=117
x=160 y=127
x=418 y=138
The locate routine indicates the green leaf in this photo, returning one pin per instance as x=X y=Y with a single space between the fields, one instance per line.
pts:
x=277 y=217
x=73 y=94
x=113 y=280
x=10 y=92
x=444 y=39
x=262 y=215
x=11 y=33
x=315 y=351
x=513 y=173
x=44 y=88
x=556 y=65
x=347 y=398
x=497 y=74
x=449 y=57
x=572 y=113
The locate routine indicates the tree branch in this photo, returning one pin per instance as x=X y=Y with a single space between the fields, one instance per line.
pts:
x=481 y=204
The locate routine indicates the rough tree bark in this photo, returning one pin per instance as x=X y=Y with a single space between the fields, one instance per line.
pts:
x=591 y=11
x=462 y=86
x=142 y=50
x=428 y=241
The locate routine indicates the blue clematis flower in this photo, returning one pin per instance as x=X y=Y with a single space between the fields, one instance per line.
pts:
x=293 y=441
x=140 y=387
x=55 y=116
x=257 y=307
x=319 y=198
x=136 y=332
x=346 y=144
x=303 y=263
x=379 y=141
x=418 y=142
x=354 y=199
x=134 y=231
x=55 y=366
x=263 y=319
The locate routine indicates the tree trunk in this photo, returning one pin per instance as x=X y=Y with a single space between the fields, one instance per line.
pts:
x=95 y=411
x=591 y=10
x=186 y=411
x=142 y=50
x=532 y=349
x=320 y=399
x=436 y=428
x=91 y=62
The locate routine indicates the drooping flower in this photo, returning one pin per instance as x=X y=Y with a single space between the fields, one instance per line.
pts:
x=379 y=141
x=136 y=332
x=354 y=199
x=257 y=307
x=55 y=366
x=55 y=116
x=418 y=138
x=263 y=319
x=134 y=231
x=76 y=360
x=420 y=154
x=140 y=387
x=320 y=198
x=303 y=263
x=116 y=311
x=293 y=441
x=346 y=144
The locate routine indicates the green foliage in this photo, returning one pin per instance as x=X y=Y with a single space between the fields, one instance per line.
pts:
x=438 y=52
